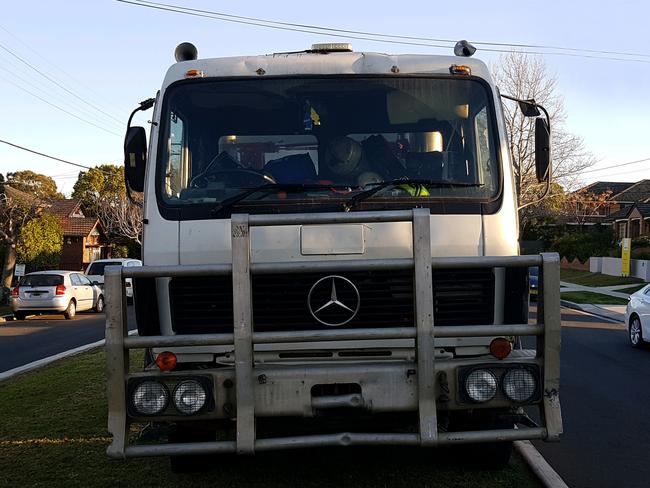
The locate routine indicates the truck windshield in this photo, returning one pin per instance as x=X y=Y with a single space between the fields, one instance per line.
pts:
x=331 y=137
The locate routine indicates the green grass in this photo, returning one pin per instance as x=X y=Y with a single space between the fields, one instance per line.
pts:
x=53 y=434
x=4 y=310
x=632 y=289
x=586 y=278
x=593 y=298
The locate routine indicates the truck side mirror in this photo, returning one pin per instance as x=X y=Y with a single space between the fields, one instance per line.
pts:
x=542 y=150
x=135 y=157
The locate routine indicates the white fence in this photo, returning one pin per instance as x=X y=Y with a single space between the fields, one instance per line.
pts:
x=612 y=266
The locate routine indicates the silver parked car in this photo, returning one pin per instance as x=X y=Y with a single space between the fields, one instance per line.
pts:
x=637 y=318
x=63 y=292
x=95 y=272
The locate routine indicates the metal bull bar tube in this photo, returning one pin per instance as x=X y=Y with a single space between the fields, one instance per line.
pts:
x=118 y=343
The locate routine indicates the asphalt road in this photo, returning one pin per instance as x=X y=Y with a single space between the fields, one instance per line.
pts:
x=605 y=407
x=38 y=337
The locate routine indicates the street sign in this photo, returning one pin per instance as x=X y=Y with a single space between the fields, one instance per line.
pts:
x=19 y=270
x=626 y=248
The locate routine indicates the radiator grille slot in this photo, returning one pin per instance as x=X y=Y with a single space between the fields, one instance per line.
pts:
x=204 y=305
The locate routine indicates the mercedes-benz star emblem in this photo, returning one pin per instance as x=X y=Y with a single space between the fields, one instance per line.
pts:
x=333 y=300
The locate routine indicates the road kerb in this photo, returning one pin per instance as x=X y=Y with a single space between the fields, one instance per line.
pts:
x=577 y=306
x=50 y=359
x=546 y=474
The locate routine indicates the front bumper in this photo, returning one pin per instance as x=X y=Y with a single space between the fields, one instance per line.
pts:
x=426 y=387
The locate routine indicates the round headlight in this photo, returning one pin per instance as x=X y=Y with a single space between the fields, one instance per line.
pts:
x=189 y=397
x=150 y=398
x=519 y=385
x=481 y=385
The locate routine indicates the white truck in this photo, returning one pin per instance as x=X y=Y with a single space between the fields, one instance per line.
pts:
x=330 y=259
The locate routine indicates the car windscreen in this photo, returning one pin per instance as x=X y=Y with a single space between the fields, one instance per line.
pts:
x=41 y=280
x=98 y=268
x=330 y=138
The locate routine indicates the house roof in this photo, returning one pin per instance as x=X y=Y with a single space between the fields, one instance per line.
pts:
x=624 y=213
x=63 y=207
x=77 y=226
x=600 y=187
x=19 y=195
x=638 y=192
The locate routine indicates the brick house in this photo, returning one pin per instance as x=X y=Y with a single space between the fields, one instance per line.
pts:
x=619 y=206
x=84 y=238
x=632 y=221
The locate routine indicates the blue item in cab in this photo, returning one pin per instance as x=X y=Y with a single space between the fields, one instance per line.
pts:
x=294 y=169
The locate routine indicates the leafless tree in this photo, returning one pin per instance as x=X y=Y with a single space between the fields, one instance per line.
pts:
x=583 y=205
x=16 y=209
x=120 y=217
x=525 y=76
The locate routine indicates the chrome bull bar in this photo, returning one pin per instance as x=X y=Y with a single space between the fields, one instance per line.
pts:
x=118 y=343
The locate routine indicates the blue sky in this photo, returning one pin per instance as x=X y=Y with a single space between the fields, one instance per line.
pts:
x=113 y=55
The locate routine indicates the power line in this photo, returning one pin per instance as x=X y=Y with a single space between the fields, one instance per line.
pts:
x=349 y=34
x=52 y=80
x=611 y=167
x=59 y=108
x=376 y=34
x=58 y=68
x=63 y=101
x=621 y=173
x=51 y=157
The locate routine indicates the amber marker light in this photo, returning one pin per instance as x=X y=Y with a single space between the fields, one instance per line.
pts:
x=500 y=348
x=166 y=361
x=194 y=73
x=460 y=69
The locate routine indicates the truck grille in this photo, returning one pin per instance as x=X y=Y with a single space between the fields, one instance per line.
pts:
x=204 y=305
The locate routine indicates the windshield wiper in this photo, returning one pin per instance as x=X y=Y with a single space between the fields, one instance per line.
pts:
x=269 y=187
x=378 y=186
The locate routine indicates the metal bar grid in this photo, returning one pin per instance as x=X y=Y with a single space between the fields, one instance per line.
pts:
x=136 y=342
x=244 y=338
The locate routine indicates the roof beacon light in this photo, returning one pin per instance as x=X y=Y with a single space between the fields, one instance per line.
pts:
x=186 y=51
x=464 y=48
x=332 y=47
x=459 y=69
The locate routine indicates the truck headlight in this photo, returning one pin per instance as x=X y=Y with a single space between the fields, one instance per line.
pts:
x=519 y=385
x=150 y=398
x=189 y=397
x=481 y=385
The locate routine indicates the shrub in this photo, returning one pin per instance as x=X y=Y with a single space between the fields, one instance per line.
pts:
x=40 y=243
x=584 y=245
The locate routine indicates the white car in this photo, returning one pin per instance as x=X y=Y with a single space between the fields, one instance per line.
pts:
x=637 y=317
x=63 y=292
x=95 y=272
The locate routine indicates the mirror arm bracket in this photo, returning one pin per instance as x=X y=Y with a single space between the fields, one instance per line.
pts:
x=534 y=105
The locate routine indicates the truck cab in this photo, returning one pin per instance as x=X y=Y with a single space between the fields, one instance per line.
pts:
x=330 y=258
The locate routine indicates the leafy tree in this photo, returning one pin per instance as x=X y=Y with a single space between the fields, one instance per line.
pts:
x=40 y=243
x=36 y=184
x=16 y=210
x=99 y=182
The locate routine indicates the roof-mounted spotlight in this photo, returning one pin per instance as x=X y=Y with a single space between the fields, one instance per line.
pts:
x=186 y=51
x=464 y=48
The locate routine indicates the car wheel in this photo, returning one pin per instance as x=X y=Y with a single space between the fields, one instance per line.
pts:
x=20 y=315
x=71 y=311
x=99 y=306
x=635 y=333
